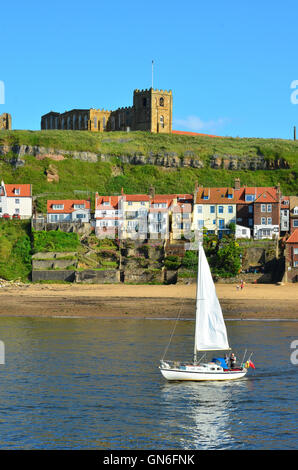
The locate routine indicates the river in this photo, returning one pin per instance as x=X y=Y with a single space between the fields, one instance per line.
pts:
x=79 y=383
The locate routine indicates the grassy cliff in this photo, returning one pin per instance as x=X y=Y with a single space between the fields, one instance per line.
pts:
x=81 y=179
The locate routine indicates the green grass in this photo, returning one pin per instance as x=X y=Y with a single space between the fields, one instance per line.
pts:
x=15 y=250
x=55 y=240
x=78 y=179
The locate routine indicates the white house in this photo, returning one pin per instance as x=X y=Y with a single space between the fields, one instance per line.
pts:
x=16 y=200
x=242 y=232
x=68 y=210
x=108 y=216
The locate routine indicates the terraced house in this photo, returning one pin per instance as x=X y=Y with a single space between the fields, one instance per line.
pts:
x=214 y=209
x=68 y=210
x=15 y=201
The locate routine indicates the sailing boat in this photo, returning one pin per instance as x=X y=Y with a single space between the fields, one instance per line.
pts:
x=210 y=335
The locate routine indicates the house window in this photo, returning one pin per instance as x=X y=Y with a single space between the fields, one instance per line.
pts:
x=199 y=209
x=221 y=223
x=80 y=216
x=269 y=220
x=250 y=209
x=17 y=191
x=230 y=196
x=295 y=264
x=58 y=207
x=230 y=209
x=295 y=210
x=295 y=251
x=295 y=223
x=250 y=222
x=269 y=207
x=249 y=197
x=17 y=201
x=79 y=206
x=17 y=211
x=263 y=221
x=212 y=209
x=129 y=203
x=263 y=207
x=206 y=197
x=200 y=223
x=220 y=209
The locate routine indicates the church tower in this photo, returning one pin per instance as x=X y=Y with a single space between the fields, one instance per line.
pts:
x=153 y=110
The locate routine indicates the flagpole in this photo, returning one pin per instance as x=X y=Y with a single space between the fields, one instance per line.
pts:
x=152 y=73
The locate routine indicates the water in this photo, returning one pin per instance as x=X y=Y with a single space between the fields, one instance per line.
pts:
x=94 y=384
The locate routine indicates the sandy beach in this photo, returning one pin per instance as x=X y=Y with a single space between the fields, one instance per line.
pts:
x=146 y=301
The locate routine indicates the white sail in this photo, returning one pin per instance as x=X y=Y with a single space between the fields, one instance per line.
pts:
x=210 y=331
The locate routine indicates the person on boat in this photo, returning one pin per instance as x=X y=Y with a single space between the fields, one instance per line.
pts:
x=232 y=361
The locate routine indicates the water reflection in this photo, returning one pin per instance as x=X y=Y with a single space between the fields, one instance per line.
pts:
x=203 y=416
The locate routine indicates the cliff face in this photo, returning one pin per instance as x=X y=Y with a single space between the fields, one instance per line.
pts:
x=164 y=159
x=234 y=162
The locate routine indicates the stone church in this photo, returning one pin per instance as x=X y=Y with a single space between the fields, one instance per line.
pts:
x=151 y=111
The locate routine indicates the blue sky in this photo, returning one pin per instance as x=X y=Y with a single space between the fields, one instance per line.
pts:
x=229 y=64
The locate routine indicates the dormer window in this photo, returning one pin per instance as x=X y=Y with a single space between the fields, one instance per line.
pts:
x=79 y=206
x=58 y=207
x=17 y=191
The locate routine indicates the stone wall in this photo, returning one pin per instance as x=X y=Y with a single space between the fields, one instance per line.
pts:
x=90 y=276
x=48 y=275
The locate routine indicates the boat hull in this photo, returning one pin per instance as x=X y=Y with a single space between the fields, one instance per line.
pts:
x=178 y=374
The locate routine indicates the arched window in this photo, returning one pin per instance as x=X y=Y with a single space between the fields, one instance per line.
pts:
x=103 y=123
x=161 y=101
x=85 y=122
x=74 y=122
x=162 y=121
x=95 y=122
x=62 y=124
x=113 y=123
x=68 y=122
x=80 y=122
x=144 y=102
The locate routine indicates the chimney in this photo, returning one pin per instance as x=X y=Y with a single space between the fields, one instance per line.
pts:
x=278 y=191
x=237 y=184
x=195 y=192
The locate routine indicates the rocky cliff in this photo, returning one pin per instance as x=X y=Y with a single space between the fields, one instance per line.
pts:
x=15 y=153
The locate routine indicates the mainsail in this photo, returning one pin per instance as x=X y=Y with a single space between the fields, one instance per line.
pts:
x=210 y=331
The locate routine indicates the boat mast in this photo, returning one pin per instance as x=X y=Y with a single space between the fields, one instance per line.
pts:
x=195 y=359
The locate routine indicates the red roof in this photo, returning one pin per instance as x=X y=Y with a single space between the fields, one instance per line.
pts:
x=136 y=197
x=216 y=196
x=193 y=134
x=258 y=192
x=23 y=190
x=68 y=205
x=113 y=200
x=294 y=237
